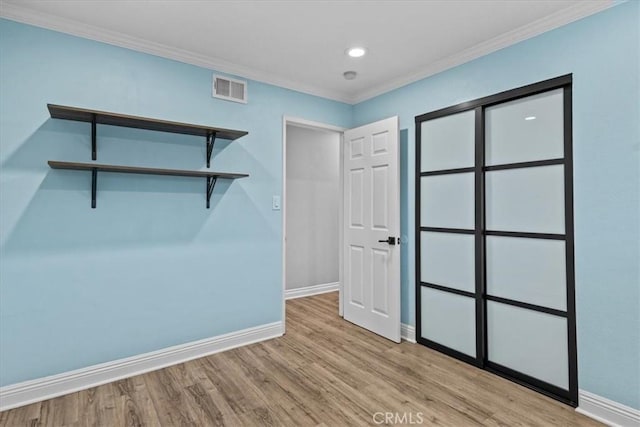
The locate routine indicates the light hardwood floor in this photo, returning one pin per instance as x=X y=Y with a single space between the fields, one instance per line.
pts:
x=324 y=371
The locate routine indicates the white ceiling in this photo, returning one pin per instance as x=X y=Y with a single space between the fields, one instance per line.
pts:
x=301 y=44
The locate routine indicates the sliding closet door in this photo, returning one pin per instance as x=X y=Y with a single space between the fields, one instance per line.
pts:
x=528 y=262
x=447 y=319
x=494 y=235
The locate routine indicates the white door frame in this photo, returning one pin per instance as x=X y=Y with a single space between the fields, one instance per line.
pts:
x=300 y=122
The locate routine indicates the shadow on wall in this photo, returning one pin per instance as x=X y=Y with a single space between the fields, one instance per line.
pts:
x=69 y=140
x=132 y=210
x=405 y=166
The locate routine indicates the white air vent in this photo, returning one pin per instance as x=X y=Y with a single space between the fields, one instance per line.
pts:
x=229 y=89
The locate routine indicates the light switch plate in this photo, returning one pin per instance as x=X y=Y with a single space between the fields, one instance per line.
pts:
x=275 y=203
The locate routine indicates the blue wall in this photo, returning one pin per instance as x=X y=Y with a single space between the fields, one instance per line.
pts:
x=602 y=52
x=150 y=267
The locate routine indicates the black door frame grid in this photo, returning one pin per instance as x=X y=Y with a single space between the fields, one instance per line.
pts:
x=564 y=82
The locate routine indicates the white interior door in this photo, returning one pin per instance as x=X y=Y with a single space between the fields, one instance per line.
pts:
x=371 y=253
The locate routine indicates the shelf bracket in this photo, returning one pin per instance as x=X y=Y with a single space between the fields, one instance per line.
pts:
x=211 y=139
x=94 y=186
x=211 y=183
x=94 y=155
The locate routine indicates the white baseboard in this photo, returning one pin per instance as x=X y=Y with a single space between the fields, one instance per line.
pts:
x=408 y=332
x=307 y=291
x=599 y=408
x=607 y=411
x=27 y=392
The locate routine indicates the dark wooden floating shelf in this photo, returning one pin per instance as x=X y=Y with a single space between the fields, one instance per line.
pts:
x=94 y=168
x=114 y=119
x=144 y=171
x=102 y=117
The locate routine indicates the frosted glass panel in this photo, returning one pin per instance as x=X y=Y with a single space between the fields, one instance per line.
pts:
x=528 y=199
x=529 y=342
x=448 y=142
x=449 y=319
x=526 y=129
x=527 y=270
x=448 y=201
x=448 y=259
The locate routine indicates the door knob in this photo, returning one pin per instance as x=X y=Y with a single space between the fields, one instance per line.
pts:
x=389 y=240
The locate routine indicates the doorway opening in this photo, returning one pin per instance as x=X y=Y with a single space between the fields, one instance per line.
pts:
x=311 y=208
x=364 y=163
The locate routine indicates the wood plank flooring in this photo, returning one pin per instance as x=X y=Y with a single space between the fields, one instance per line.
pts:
x=323 y=372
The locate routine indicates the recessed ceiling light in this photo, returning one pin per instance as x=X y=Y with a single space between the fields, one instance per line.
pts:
x=356 y=52
x=530 y=118
x=349 y=75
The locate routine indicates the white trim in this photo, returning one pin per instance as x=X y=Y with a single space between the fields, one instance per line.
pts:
x=283 y=215
x=607 y=411
x=310 y=124
x=565 y=16
x=408 y=332
x=562 y=17
x=307 y=291
x=341 y=229
x=25 y=15
x=27 y=392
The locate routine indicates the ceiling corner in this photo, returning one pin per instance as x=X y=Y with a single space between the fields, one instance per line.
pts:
x=548 y=23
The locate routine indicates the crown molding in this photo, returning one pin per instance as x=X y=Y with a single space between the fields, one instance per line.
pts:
x=548 y=23
x=28 y=16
